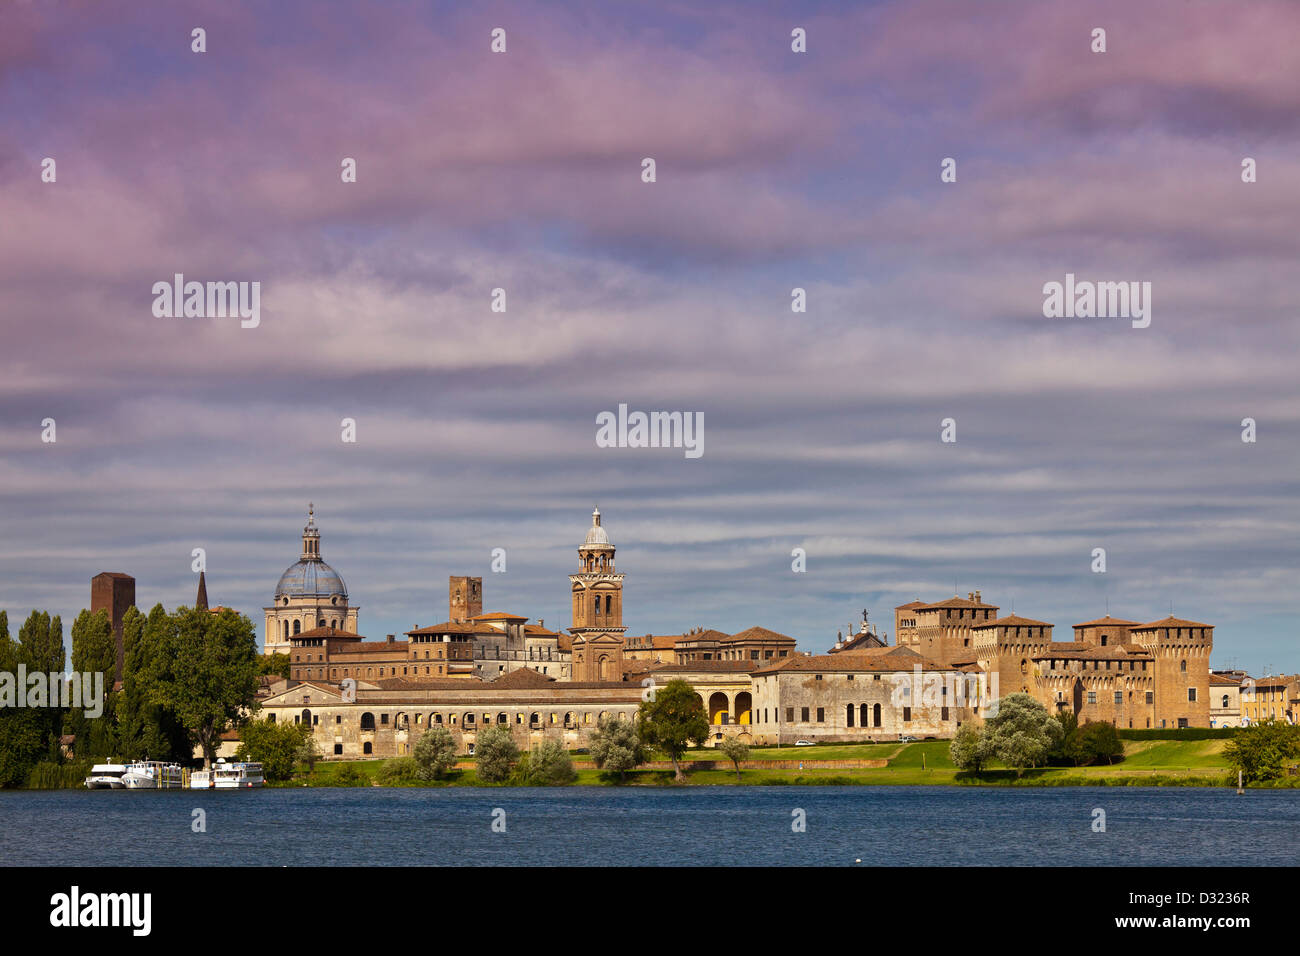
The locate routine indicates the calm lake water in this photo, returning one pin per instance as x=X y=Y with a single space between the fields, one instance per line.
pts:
x=896 y=826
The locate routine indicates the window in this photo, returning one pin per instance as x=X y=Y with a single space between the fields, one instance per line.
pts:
x=1182 y=666
x=1092 y=697
x=1191 y=695
x=1119 y=697
x=907 y=713
x=789 y=714
x=821 y=715
x=1151 y=697
x=804 y=714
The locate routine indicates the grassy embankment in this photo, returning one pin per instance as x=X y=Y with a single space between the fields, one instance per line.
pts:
x=1146 y=763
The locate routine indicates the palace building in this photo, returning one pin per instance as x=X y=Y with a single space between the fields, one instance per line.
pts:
x=475 y=669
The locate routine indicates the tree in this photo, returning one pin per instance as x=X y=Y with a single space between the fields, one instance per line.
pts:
x=672 y=720
x=1261 y=751
x=94 y=652
x=275 y=746
x=309 y=753
x=1069 y=749
x=547 y=766
x=146 y=729
x=435 y=753
x=496 y=753
x=276 y=664
x=21 y=745
x=207 y=673
x=968 y=749
x=735 y=750
x=615 y=746
x=40 y=650
x=1099 y=740
x=1022 y=733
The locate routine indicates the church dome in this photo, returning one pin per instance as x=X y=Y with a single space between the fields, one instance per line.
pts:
x=596 y=535
x=311 y=576
x=311 y=579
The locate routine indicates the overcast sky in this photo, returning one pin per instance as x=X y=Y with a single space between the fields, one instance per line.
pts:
x=775 y=170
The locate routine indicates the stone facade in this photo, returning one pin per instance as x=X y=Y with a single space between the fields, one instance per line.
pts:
x=113 y=592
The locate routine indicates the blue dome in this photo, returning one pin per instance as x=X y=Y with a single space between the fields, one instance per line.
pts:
x=311 y=579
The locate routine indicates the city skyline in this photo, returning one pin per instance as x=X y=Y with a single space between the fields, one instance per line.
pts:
x=776 y=171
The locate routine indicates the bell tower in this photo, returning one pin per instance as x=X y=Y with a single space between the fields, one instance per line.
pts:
x=597 y=627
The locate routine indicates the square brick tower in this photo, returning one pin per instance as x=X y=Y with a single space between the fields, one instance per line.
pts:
x=464 y=598
x=113 y=592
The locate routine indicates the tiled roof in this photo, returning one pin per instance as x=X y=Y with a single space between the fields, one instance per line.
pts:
x=523 y=677
x=956 y=601
x=759 y=634
x=453 y=627
x=911 y=606
x=1108 y=621
x=1079 y=650
x=371 y=647
x=1012 y=620
x=499 y=616
x=1170 y=622
x=876 y=659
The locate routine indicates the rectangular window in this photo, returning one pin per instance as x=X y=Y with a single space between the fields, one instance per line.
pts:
x=1151 y=695
x=804 y=714
x=1119 y=697
x=1092 y=697
x=1191 y=695
x=907 y=714
x=789 y=714
x=821 y=715
x=943 y=713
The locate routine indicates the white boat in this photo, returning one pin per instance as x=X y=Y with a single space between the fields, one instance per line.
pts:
x=153 y=775
x=106 y=776
x=227 y=776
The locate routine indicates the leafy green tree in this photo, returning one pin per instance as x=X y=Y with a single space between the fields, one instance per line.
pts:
x=94 y=651
x=275 y=746
x=435 y=753
x=21 y=744
x=548 y=765
x=207 y=673
x=146 y=729
x=615 y=746
x=969 y=750
x=1022 y=733
x=309 y=753
x=276 y=664
x=1262 y=751
x=734 y=750
x=40 y=650
x=673 y=720
x=1098 y=740
x=1069 y=749
x=496 y=753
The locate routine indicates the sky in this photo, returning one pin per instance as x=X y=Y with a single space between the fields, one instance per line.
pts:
x=774 y=170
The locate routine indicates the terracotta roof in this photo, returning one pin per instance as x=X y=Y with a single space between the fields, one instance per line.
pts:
x=910 y=606
x=705 y=667
x=1107 y=621
x=1225 y=681
x=1280 y=680
x=876 y=659
x=759 y=634
x=1170 y=622
x=957 y=601
x=524 y=677
x=453 y=627
x=536 y=630
x=430 y=683
x=1012 y=620
x=333 y=633
x=499 y=616
x=708 y=634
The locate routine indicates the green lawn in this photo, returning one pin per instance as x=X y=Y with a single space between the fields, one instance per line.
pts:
x=1147 y=762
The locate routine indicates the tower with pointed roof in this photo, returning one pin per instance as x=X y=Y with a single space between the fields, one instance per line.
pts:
x=310 y=594
x=597 y=626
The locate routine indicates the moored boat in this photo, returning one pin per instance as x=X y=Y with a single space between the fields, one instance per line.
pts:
x=106 y=776
x=227 y=776
x=153 y=775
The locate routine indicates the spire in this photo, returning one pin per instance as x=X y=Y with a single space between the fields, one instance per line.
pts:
x=595 y=518
x=311 y=536
x=201 y=600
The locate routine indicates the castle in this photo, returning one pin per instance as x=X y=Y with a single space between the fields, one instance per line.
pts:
x=950 y=660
